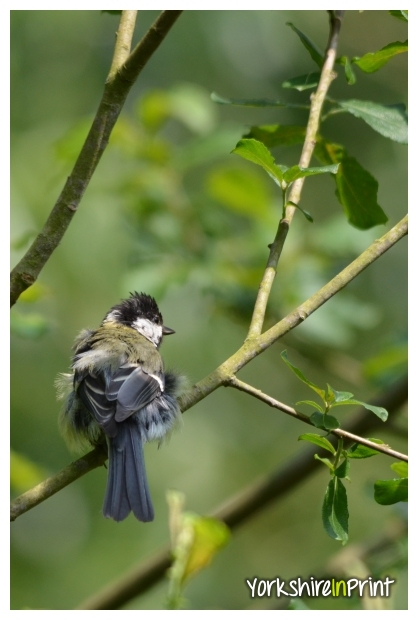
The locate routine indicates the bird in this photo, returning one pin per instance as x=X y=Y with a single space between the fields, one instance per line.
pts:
x=119 y=394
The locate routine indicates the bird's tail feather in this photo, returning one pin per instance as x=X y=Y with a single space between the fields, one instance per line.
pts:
x=127 y=485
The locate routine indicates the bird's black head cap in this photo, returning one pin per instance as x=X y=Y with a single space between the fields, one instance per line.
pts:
x=139 y=305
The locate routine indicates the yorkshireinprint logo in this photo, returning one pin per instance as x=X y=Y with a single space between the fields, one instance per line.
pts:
x=319 y=587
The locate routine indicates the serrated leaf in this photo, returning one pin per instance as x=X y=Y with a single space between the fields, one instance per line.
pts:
x=387 y=492
x=276 y=135
x=350 y=76
x=359 y=451
x=295 y=172
x=256 y=152
x=325 y=461
x=389 y=120
x=303 y=82
x=356 y=187
x=318 y=440
x=342 y=470
x=402 y=15
x=301 y=376
x=369 y=63
x=312 y=403
x=314 y=51
x=335 y=511
x=381 y=413
x=401 y=468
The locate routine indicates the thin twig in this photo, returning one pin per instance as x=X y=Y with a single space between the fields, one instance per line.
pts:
x=123 y=41
x=241 y=508
x=317 y=102
x=252 y=348
x=116 y=90
x=338 y=432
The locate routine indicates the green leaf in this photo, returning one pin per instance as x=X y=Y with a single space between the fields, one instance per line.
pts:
x=314 y=51
x=256 y=152
x=350 y=76
x=301 y=376
x=401 y=468
x=113 y=12
x=330 y=422
x=389 y=120
x=303 y=82
x=342 y=470
x=305 y=213
x=403 y=15
x=195 y=541
x=356 y=187
x=325 y=461
x=334 y=396
x=387 y=492
x=295 y=172
x=369 y=63
x=318 y=440
x=381 y=413
x=312 y=403
x=358 y=451
x=335 y=511
x=278 y=135
x=324 y=421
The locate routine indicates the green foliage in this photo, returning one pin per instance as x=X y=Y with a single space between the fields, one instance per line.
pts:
x=356 y=188
x=369 y=63
x=331 y=398
x=335 y=506
x=335 y=511
x=303 y=82
x=387 y=492
x=315 y=53
x=388 y=120
x=195 y=542
x=402 y=15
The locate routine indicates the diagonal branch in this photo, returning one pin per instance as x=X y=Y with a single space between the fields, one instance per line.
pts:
x=251 y=348
x=254 y=346
x=338 y=432
x=238 y=510
x=116 y=90
x=317 y=102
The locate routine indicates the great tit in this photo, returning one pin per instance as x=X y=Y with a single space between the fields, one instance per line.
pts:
x=119 y=393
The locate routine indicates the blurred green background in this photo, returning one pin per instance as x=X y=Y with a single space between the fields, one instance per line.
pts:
x=170 y=212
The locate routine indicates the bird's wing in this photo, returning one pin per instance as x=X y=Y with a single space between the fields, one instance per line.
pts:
x=92 y=392
x=132 y=388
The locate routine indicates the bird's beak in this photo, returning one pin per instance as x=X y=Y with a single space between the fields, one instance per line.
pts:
x=167 y=331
